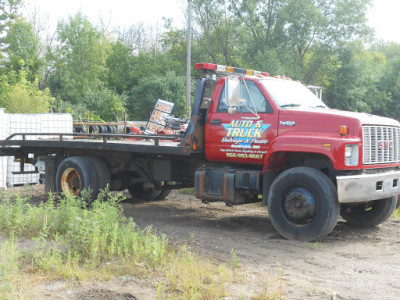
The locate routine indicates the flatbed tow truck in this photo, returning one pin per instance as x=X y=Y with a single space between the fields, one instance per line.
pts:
x=249 y=134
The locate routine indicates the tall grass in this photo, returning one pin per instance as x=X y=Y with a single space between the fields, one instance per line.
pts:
x=72 y=241
x=11 y=286
x=65 y=233
x=194 y=278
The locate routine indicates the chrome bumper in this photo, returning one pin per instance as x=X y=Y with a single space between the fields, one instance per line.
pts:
x=367 y=187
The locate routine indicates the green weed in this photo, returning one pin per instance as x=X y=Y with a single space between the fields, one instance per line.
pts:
x=10 y=282
x=66 y=233
x=75 y=242
x=191 y=278
x=316 y=246
x=234 y=261
x=186 y=191
x=271 y=293
x=396 y=214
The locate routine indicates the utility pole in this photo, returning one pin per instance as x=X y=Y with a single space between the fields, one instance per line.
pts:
x=188 y=59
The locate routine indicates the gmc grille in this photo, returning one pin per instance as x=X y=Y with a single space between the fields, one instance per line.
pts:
x=381 y=144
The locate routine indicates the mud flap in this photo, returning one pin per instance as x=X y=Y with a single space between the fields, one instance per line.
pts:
x=51 y=165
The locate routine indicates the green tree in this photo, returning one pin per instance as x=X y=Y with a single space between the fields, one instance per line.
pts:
x=23 y=50
x=169 y=87
x=78 y=62
x=121 y=65
x=104 y=103
x=287 y=32
x=390 y=79
x=215 y=31
x=8 y=12
x=19 y=95
x=356 y=82
x=174 y=47
x=126 y=67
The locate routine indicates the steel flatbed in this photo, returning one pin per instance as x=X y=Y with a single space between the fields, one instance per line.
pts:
x=51 y=142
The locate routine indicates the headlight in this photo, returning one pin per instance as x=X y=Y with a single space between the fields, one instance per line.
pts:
x=351 y=155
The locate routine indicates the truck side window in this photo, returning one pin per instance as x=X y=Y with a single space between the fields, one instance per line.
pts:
x=260 y=103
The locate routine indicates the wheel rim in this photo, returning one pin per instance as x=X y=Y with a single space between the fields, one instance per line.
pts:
x=71 y=181
x=299 y=205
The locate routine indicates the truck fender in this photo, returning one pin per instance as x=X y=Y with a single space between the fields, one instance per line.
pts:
x=327 y=147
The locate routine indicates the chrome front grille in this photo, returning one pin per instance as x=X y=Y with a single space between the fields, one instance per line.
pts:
x=381 y=144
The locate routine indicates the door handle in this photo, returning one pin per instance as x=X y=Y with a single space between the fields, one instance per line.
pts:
x=215 y=122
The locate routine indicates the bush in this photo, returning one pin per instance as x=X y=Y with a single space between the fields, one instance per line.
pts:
x=18 y=95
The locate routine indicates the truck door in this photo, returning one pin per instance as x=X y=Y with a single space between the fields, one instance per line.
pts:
x=241 y=123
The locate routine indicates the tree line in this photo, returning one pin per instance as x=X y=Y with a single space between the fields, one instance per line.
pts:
x=84 y=66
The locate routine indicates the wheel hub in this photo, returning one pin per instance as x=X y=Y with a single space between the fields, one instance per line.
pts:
x=71 y=181
x=299 y=205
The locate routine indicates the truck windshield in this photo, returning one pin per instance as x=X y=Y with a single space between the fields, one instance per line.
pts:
x=287 y=93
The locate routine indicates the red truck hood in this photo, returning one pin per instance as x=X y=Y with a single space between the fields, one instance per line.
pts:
x=328 y=120
x=363 y=118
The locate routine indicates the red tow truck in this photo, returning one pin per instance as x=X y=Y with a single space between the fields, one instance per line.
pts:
x=250 y=134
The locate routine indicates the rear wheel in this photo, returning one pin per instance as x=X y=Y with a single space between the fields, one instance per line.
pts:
x=371 y=213
x=102 y=173
x=302 y=204
x=76 y=174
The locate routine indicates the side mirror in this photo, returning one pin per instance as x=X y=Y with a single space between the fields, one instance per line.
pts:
x=232 y=110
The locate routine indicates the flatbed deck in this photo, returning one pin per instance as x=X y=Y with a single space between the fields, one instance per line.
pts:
x=48 y=142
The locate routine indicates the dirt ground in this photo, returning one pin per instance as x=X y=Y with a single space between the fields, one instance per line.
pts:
x=348 y=264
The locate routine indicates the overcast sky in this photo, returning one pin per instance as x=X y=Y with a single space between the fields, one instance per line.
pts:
x=116 y=12
x=384 y=16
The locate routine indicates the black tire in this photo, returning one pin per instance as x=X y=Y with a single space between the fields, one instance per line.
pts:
x=93 y=129
x=110 y=129
x=137 y=191
x=102 y=173
x=80 y=129
x=369 y=214
x=75 y=174
x=102 y=129
x=164 y=194
x=303 y=204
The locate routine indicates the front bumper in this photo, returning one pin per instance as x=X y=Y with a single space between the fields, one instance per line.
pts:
x=368 y=187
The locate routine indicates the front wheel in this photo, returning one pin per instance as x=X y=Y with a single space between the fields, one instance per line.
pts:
x=369 y=214
x=302 y=204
